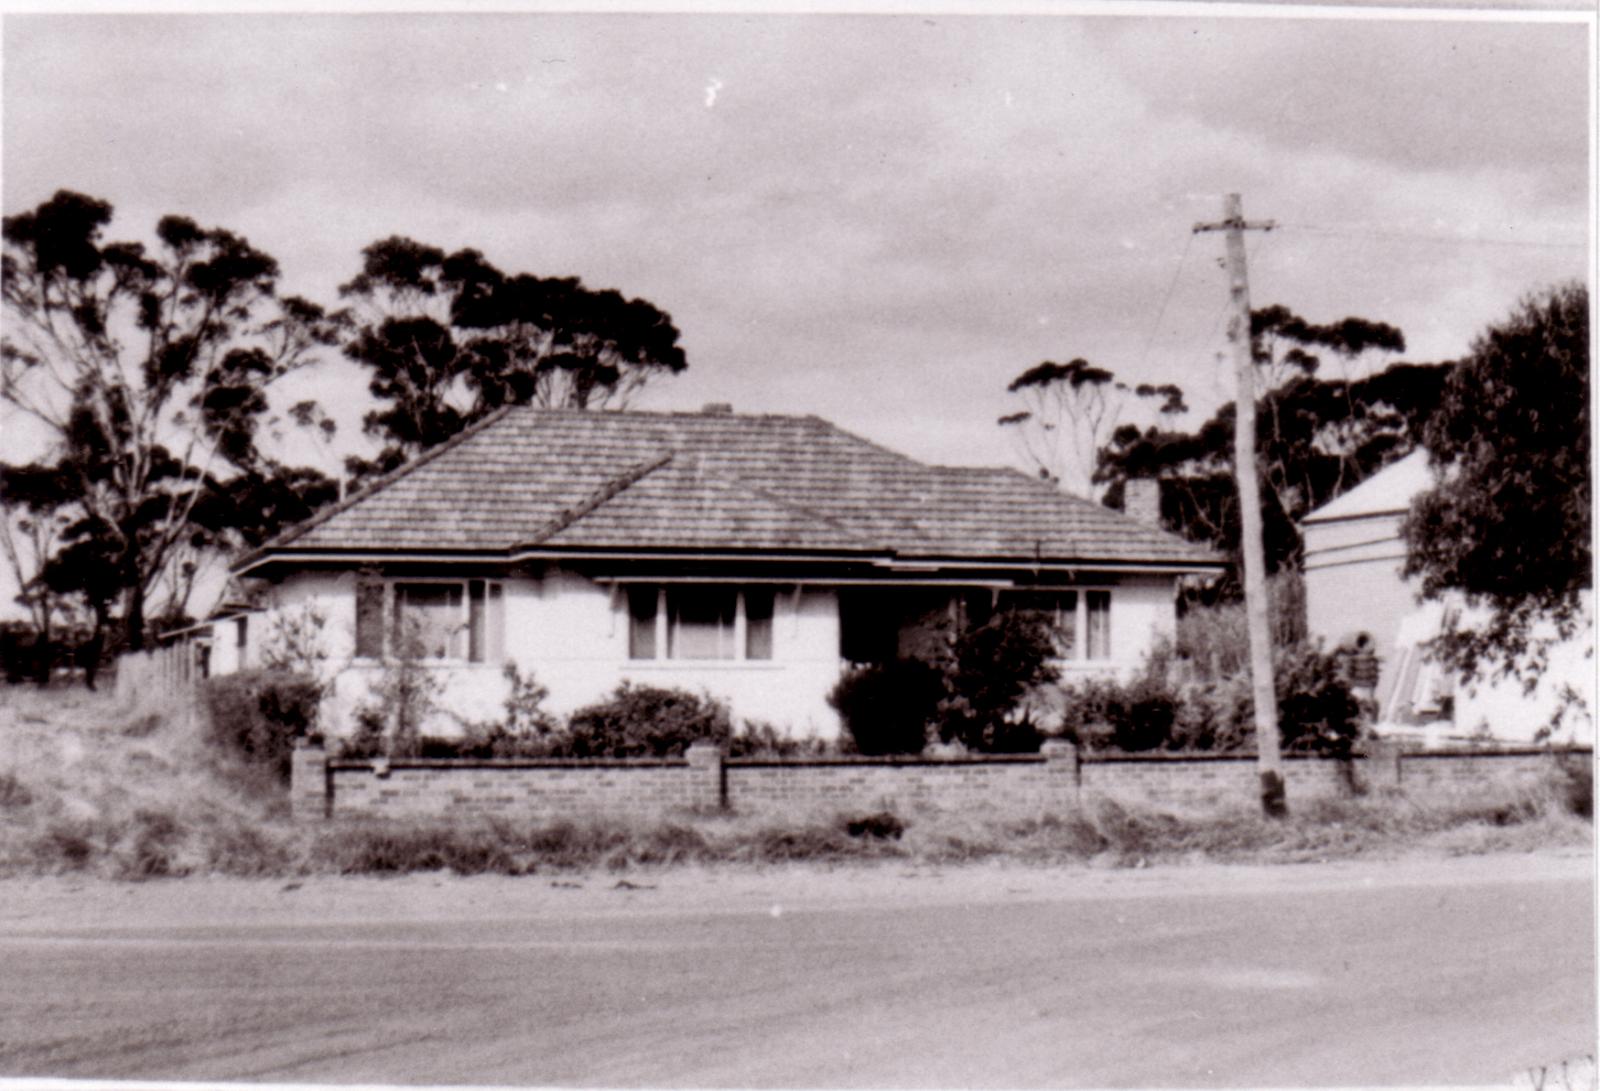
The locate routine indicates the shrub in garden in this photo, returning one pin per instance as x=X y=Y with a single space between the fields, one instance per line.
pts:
x=1317 y=711
x=887 y=707
x=526 y=730
x=1104 y=714
x=990 y=669
x=643 y=721
x=256 y=716
x=761 y=740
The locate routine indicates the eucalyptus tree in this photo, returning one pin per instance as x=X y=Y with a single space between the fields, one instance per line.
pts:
x=146 y=369
x=447 y=339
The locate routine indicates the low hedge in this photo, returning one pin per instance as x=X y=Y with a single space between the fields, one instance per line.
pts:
x=255 y=716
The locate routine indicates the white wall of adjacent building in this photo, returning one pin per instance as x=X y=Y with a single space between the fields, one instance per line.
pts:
x=1353 y=584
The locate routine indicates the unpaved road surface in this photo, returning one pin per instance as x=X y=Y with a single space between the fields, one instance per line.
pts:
x=1425 y=972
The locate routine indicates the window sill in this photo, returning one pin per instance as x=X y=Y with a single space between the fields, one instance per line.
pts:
x=665 y=665
x=369 y=663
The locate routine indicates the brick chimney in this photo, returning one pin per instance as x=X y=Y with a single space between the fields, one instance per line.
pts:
x=1141 y=500
x=717 y=409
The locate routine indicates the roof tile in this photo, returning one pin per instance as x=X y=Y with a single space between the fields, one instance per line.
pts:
x=597 y=480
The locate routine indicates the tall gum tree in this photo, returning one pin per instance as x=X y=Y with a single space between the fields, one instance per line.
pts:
x=1071 y=409
x=1316 y=434
x=148 y=369
x=449 y=338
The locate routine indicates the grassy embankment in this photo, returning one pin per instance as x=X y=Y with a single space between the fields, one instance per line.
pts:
x=87 y=787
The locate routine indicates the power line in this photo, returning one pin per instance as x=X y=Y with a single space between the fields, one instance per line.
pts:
x=1414 y=236
x=1166 y=299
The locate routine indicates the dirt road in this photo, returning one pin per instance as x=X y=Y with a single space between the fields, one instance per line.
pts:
x=1457 y=972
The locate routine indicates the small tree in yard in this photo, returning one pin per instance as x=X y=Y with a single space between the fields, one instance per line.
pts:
x=968 y=695
x=989 y=670
x=406 y=693
x=1508 y=521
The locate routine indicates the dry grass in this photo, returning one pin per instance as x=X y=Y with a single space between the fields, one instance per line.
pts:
x=85 y=786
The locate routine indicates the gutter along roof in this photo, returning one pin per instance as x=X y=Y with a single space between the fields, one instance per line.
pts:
x=556 y=482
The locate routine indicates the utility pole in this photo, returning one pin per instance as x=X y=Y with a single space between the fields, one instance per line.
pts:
x=1269 y=762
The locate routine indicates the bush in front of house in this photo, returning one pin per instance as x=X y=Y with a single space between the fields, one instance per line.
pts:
x=756 y=739
x=1175 y=704
x=525 y=729
x=643 y=722
x=988 y=672
x=255 y=716
x=1137 y=715
x=1317 y=711
x=886 y=708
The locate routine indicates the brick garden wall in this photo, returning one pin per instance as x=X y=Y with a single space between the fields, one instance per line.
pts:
x=1021 y=785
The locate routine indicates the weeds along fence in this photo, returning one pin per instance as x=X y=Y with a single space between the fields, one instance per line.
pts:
x=705 y=780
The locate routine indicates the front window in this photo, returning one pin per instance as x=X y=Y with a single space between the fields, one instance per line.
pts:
x=699 y=622
x=1097 y=625
x=1082 y=619
x=431 y=619
x=428 y=621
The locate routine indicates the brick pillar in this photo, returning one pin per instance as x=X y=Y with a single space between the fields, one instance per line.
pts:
x=310 y=791
x=1383 y=763
x=706 y=787
x=1061 y=764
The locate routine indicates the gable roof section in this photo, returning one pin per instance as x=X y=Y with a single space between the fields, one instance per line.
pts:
x=1387 y=492
x=591 y=481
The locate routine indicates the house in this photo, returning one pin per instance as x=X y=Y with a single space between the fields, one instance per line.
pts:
x=752 y=557
x=1354 y=556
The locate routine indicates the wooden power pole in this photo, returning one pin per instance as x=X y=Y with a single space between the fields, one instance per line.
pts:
x=1269 y=761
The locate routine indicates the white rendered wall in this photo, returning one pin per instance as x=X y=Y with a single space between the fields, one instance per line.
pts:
x=571 y=635
x=1144 y=611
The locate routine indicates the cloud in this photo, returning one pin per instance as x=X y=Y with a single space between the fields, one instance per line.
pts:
x=1436 y=95
x=890 y=218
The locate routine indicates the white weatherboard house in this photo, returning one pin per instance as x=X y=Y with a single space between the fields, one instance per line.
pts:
x=751 y=557
x=1353 y=559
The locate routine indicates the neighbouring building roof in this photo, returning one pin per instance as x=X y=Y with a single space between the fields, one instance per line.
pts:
x=569 y=480
x=1387 y=492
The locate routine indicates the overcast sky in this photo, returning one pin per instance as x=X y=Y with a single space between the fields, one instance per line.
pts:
x=877 y=219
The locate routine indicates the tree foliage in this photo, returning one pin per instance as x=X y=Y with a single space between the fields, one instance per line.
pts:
x=148 y=371
x=1071 y=409
x=1508 y=520
x=1316 y=436
x=449 y=338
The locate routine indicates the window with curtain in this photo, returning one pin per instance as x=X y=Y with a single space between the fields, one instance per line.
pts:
x=700 y=622
x=460 y=620
x=1082 y=619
